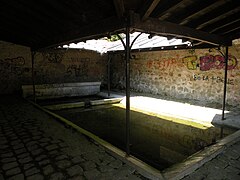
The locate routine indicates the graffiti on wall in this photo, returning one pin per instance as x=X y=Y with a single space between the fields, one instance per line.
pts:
x=78 y=68
x=209 y=62
x=216 y=79
x=13 y=66
x=191 y=62
x=53 y=57
x=17 y=61
x=163 y=63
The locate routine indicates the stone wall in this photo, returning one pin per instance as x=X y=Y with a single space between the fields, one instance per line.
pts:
x=192 y=74
x=15 y=67
x=70 y=65
x=189 y=74
x=55 y=66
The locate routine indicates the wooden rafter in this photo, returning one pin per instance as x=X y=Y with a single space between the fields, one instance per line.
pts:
x=231 y=30
x=227 y=25
x=153 y=25
x=150 y=9
x=218 y=18
x=167 y=13
x=90 y=31
x=203 y=11
x=47 y=24
x=119 y=6
x=224 y=22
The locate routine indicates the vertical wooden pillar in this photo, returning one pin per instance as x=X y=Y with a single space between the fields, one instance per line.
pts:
x=33 y=75
x=224 y=89
x=225 y=84
x=127 y=51
x=109 y=74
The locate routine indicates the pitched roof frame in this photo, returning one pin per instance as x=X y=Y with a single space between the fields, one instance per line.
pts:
x=44 y=24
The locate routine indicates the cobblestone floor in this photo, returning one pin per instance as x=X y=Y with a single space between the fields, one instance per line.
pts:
x=34 y=146
x=226 y=166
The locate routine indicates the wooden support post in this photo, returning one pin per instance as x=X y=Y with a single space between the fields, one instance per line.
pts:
x=224 y=89
x=127 y=51
x=33 y=76
x=109 y=74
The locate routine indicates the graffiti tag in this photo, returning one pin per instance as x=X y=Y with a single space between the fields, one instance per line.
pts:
x=209 y=62
x=162 y=64
x=18 y=61
x=217 y=79
x=53 y=57
x=13 y=66
x=77 y=70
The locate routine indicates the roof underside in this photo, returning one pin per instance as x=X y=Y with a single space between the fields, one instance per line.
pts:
x=48 y=23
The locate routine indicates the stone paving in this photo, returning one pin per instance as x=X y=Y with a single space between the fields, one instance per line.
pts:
x=226 y=166
x=34 y=146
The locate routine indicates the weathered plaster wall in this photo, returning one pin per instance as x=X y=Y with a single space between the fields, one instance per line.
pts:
x=189 y=74
x=56 y=66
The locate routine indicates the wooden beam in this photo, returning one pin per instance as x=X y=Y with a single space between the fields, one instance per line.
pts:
x=236 y=35
x=94 y=30
x=218 y=18
x=119 y=6
x=153 y=25
x=203 y=11
x=232 y=30
x=220 y=24
x=150 y=9
x=226 y=26
x=181 y=4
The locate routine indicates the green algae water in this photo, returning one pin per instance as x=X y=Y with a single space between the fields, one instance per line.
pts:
x=157 y=140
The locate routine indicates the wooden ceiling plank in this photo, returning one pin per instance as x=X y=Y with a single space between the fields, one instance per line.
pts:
x=94 y=30
x=167 y=13
x=224 y=25
x=218 y=18
x=234 y=35
x=120 y=9
x=221 y=23
x=150 y=9
x=231 y=30
x=153 y=25
x=203 y=11
x=228 y=28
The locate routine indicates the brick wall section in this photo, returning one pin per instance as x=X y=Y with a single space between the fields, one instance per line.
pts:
x=189 y=74
x=56 y=66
